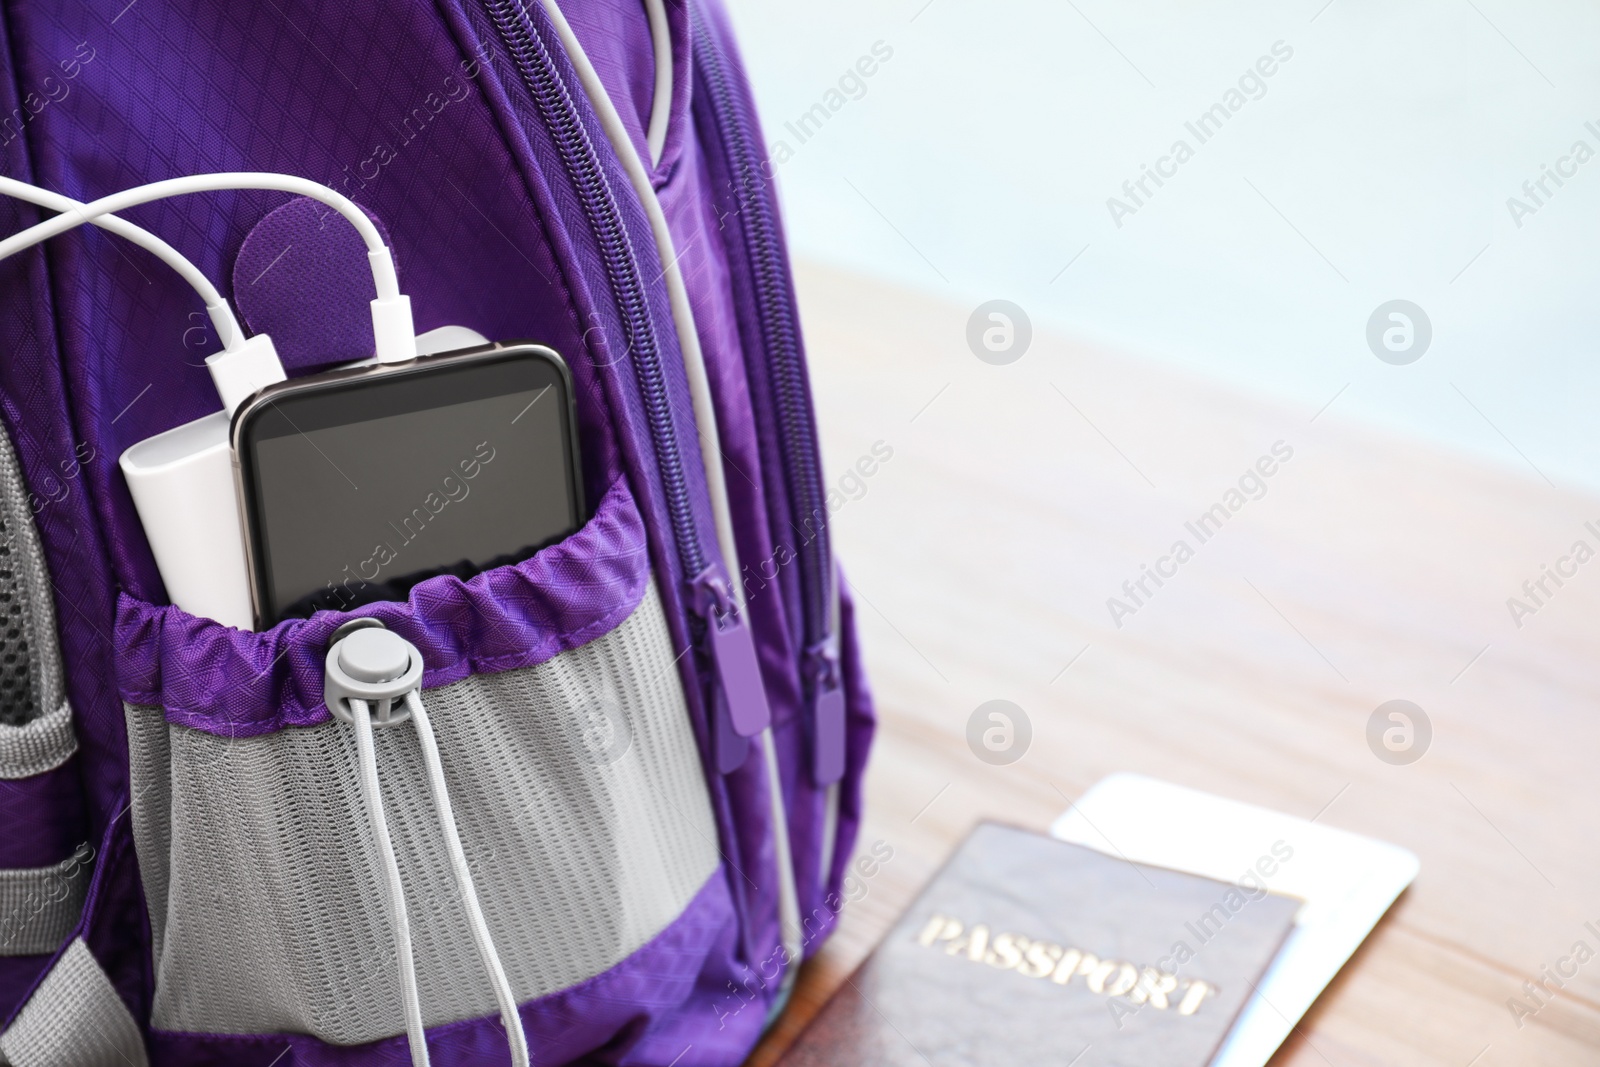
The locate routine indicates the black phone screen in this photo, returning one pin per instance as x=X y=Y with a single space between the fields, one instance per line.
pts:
x=358 y=488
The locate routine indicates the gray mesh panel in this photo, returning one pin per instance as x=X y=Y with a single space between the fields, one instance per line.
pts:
x=16 y=678
x=74 y=1019
x=582 y=850
x=30 y=663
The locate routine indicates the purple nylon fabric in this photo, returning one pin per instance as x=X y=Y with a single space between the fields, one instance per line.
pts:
x=102 y=348
x=769 y=533
x=236 y=683
x=752 y=481
x=731 y=324
x=615 y=35
x=861 y=724
x=33 y=398
x=112 y=902
x=304 y=254
x=739 y=799
x=18 y=975
x=50 y=806
x=633 y=1013
x=35 y=407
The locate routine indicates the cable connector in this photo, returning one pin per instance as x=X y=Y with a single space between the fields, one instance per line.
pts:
x=242 y=371
x=393 y=333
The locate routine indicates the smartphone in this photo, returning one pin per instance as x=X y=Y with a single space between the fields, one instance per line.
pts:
x=356 y=484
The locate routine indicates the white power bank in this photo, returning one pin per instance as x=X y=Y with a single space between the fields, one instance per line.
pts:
x=1346 y=880
x=184 y=488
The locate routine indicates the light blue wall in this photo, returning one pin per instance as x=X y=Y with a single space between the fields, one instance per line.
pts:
x=1377 y=165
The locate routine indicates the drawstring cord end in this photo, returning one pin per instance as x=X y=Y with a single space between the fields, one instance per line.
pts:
x=369 y=666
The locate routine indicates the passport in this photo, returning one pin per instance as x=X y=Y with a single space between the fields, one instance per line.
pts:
x=1028 y=950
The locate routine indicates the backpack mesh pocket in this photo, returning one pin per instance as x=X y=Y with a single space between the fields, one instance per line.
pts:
x=579 y=797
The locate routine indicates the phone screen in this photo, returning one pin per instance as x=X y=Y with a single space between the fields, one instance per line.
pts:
x=358 y=490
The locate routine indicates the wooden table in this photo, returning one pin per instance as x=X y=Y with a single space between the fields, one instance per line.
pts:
x=1019 y=498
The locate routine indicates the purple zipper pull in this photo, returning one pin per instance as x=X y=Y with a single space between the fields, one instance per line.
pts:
x=732 y=750
x=827 y=713
x=742 y=710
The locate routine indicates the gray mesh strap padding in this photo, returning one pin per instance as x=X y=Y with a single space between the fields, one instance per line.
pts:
x=38 y=745
x=74 y=1019
x=30 y=661
x=40 y=906
x=582 y=808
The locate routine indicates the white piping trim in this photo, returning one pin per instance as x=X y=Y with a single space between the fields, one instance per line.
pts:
x=705 y=414
x=661 y=102
x=710 y=451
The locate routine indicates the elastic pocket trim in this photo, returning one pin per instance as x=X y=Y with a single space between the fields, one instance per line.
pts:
x=234 y=683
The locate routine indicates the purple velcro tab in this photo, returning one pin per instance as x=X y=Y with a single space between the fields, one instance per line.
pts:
x=302 y=276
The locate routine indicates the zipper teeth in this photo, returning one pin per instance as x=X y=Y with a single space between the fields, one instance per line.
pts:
x=550 y=95
x=780 y=333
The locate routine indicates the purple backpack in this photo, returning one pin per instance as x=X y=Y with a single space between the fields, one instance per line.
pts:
x=653 y=750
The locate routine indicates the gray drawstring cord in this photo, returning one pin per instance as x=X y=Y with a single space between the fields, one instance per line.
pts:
x=367 y=665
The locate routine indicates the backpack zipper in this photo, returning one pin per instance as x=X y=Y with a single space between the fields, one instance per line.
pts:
x=741 y=709
x=763 y=253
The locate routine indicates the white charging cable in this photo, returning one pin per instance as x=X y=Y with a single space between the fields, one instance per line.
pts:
x=392 y=326
x=216 y=306
x=244 y=364
x=510 y=1020
x=399 y=921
